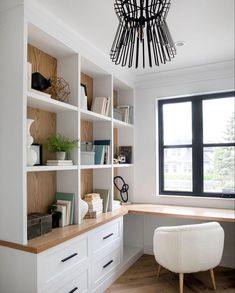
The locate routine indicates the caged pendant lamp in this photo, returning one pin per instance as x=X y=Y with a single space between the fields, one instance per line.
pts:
x=142 y=33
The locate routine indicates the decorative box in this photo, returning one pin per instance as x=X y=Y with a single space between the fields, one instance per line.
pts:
x=38 y=224
x=87 y=158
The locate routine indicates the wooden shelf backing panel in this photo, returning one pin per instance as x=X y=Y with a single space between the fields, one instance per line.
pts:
x=86 y=181
x=41 y=191
x=42 y=62
x=41 y=186
x=44 y=125
x=87 y=135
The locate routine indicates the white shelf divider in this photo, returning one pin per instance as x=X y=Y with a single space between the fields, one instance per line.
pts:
x=92 y=116
x=36 y=100
x=51 y=168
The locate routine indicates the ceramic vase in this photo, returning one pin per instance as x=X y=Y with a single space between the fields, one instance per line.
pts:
x=84 y=208
x=31 y=154
x=60 y=155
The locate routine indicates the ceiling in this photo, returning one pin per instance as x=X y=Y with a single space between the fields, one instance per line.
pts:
x=206 y=26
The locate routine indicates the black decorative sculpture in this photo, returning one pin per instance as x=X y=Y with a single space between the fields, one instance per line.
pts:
x=39 y=82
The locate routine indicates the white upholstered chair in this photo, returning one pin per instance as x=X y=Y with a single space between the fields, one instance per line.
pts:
x=189 y=249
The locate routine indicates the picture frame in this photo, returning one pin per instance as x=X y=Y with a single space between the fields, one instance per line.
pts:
x=38 y=149
x=83 y=90
x=83 y=96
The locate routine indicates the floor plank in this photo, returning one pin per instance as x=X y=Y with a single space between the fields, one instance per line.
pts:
x=142 y=278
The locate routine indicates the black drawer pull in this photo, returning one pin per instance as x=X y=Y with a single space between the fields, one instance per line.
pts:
x=69 y=257
x=105 y=237
x=74 y=289
x=107 y=264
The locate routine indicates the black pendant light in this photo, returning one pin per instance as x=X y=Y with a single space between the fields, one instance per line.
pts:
x=142 y=31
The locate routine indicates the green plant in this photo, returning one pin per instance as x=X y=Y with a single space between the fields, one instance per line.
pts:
x=59 y=143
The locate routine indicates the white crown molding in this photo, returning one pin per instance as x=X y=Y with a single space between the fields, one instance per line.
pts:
x=48 y=22
x=190 y=75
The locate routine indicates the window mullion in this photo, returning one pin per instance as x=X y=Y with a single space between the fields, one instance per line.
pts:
x=197 y=151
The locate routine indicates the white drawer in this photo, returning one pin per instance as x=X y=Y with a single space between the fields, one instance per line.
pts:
x=106 y=235
x=77 y=283
x=57 y=261
x=105 y=265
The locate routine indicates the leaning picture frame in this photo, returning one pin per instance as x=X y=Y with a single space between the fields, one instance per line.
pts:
x=83 y=96
x=38 y=149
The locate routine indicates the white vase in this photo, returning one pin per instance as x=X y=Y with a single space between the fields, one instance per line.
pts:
x=84 y=208
x=31 y=154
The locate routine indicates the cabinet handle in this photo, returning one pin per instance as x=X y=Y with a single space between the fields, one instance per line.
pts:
x=107 y=236
x=73 y=290
x=107 y=264
x=69 y=257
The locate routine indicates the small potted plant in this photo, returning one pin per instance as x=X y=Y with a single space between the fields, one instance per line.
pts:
x=60 y=144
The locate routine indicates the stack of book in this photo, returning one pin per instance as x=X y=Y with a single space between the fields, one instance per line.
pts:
x=116 y=204
x=127 y=113
x=65 y=203
x=101 y=105
x=59 y=162
x=102 y=152
x=95 y=203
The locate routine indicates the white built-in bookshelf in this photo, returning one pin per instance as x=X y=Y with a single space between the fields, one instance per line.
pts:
x=34 y=186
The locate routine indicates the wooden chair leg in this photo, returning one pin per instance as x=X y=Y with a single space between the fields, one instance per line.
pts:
x=181 y=282
x=158 y=270
x=213 y=278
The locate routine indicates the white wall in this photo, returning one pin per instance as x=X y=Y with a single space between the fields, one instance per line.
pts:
x=214 y=77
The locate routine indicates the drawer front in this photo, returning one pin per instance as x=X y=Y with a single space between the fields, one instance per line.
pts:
x=57 y=261
x=106 y=235
x=105 y=265
x=78 y=283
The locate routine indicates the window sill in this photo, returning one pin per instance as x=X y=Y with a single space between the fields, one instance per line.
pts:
x=209 y=202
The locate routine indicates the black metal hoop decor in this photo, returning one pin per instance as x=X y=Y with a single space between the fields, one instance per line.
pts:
x=123 y=190
x=142 y=21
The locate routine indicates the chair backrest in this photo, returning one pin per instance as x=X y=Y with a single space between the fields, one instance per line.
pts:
x=189 y=248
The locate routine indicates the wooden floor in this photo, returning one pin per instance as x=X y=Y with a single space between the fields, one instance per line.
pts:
x=141 y=278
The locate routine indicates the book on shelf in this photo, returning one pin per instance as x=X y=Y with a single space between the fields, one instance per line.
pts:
x=101 y=105
x=127 y=113
x=104 y=194
x=99 y=154
x=102 y=151
x=67 y=197
x=63 y=210
x=59 y=162
x=92 y=197
x=68 y=209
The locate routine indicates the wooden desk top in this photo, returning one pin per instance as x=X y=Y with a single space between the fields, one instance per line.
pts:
x=60 y=235
x=210 y=214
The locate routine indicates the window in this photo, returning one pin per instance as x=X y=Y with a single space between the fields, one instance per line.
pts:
x=197 y=145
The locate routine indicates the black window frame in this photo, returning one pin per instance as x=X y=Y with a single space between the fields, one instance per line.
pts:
x=197 y=144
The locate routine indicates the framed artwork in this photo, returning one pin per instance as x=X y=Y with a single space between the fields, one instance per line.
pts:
x=38 y=149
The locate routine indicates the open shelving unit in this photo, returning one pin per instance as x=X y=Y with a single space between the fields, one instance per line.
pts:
x=38 y=184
